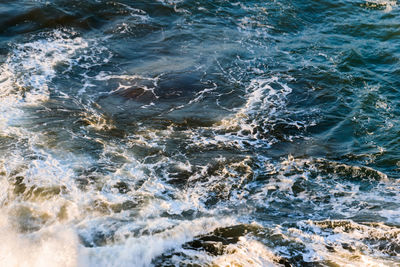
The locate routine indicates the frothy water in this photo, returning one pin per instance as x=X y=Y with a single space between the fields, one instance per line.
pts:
x=184 y=133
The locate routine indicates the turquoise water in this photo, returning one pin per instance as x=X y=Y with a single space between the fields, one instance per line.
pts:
x=199 y=133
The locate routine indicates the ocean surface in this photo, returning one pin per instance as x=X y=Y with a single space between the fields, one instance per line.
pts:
x=199 y=133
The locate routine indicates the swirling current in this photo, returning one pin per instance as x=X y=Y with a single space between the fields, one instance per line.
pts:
x=199 y=133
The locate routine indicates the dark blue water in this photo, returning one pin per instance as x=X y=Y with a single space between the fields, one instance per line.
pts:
x=199 y=133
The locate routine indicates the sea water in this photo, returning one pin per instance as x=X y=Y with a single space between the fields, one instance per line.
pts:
x=199 y=133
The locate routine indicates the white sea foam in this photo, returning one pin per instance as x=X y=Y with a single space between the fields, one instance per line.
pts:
x=265 y=105
x=174 y=4
x=26 y=75
x=55 y=203
x=326 y=185
x=52 y=200
x=387 y=4
x=246 y=252
x=53 y=246
x=346 y=243
x=31 y=66
x=140 y=251
x=46 y=191
x=125 y=81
